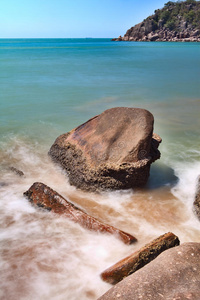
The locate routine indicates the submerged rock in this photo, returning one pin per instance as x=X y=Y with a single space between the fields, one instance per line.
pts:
x=113 y=150
x=174 y=274
x=140 y=258
x=16 y=171
x=197 y=199
x=43 y=196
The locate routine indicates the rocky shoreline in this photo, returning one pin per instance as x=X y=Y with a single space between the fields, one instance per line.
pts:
x=137 y=34
x=175 y=22
x=161 y=269
x=196 y=204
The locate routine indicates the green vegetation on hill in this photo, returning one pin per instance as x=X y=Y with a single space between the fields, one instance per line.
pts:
x=176 y=21
x=170 y=15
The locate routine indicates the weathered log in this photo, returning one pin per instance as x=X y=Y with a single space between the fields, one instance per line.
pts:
x=140 y=258
x=43 y=196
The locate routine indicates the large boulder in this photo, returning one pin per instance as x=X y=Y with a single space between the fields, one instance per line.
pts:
x=113 y=150
x=197 y=199
x=173 y=275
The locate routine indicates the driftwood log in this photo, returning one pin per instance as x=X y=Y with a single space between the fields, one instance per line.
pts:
x=139 y=259
x=43 y=196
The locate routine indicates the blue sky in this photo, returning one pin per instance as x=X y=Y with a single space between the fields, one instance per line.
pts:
x=72 y=18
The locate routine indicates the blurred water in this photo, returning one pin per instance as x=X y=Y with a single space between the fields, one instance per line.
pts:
x=47 y=88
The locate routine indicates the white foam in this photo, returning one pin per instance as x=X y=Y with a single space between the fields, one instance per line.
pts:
x=46 y=256
x=186 y=187
x=49 y=257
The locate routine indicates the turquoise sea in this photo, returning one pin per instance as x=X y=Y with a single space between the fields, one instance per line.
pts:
x=50 y=86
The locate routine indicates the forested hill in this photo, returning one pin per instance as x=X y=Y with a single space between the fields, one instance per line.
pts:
x=176 y=21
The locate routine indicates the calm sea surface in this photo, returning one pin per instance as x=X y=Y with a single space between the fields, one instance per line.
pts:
x=49 y=86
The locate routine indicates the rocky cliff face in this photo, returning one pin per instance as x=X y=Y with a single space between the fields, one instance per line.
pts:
x=177 y=21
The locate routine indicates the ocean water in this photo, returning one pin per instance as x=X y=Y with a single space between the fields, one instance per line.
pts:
x=49 y=86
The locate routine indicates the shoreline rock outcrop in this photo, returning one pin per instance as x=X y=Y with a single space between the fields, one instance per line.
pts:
x=196 y=203
x=113 y=150
x=174 y=274
x=176 y=22
x=43 y=196
x=140 y=258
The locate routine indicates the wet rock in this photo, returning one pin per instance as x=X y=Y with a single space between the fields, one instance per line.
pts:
x=140 y=258
x=197 y=199
x=113 y=150
x=117 y=39
x=173 y=275
x=43 y=196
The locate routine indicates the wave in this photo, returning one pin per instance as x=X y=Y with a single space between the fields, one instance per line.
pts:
x=49 y=257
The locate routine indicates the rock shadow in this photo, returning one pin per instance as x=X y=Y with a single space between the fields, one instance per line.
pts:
x=161 y=175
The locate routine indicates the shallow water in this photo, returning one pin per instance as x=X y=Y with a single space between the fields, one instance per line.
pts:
x=50 y=86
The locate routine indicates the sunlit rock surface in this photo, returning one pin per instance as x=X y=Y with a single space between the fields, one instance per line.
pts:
x=113 y=150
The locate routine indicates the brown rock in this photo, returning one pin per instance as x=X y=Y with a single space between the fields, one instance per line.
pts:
x=43 y=196
x=152 y=37
x=196 y=33
x=113 y=150
x=173 y=275
x=140 y=258
x=197 y=199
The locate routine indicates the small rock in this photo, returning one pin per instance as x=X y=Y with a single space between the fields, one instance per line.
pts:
x=16 y=171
